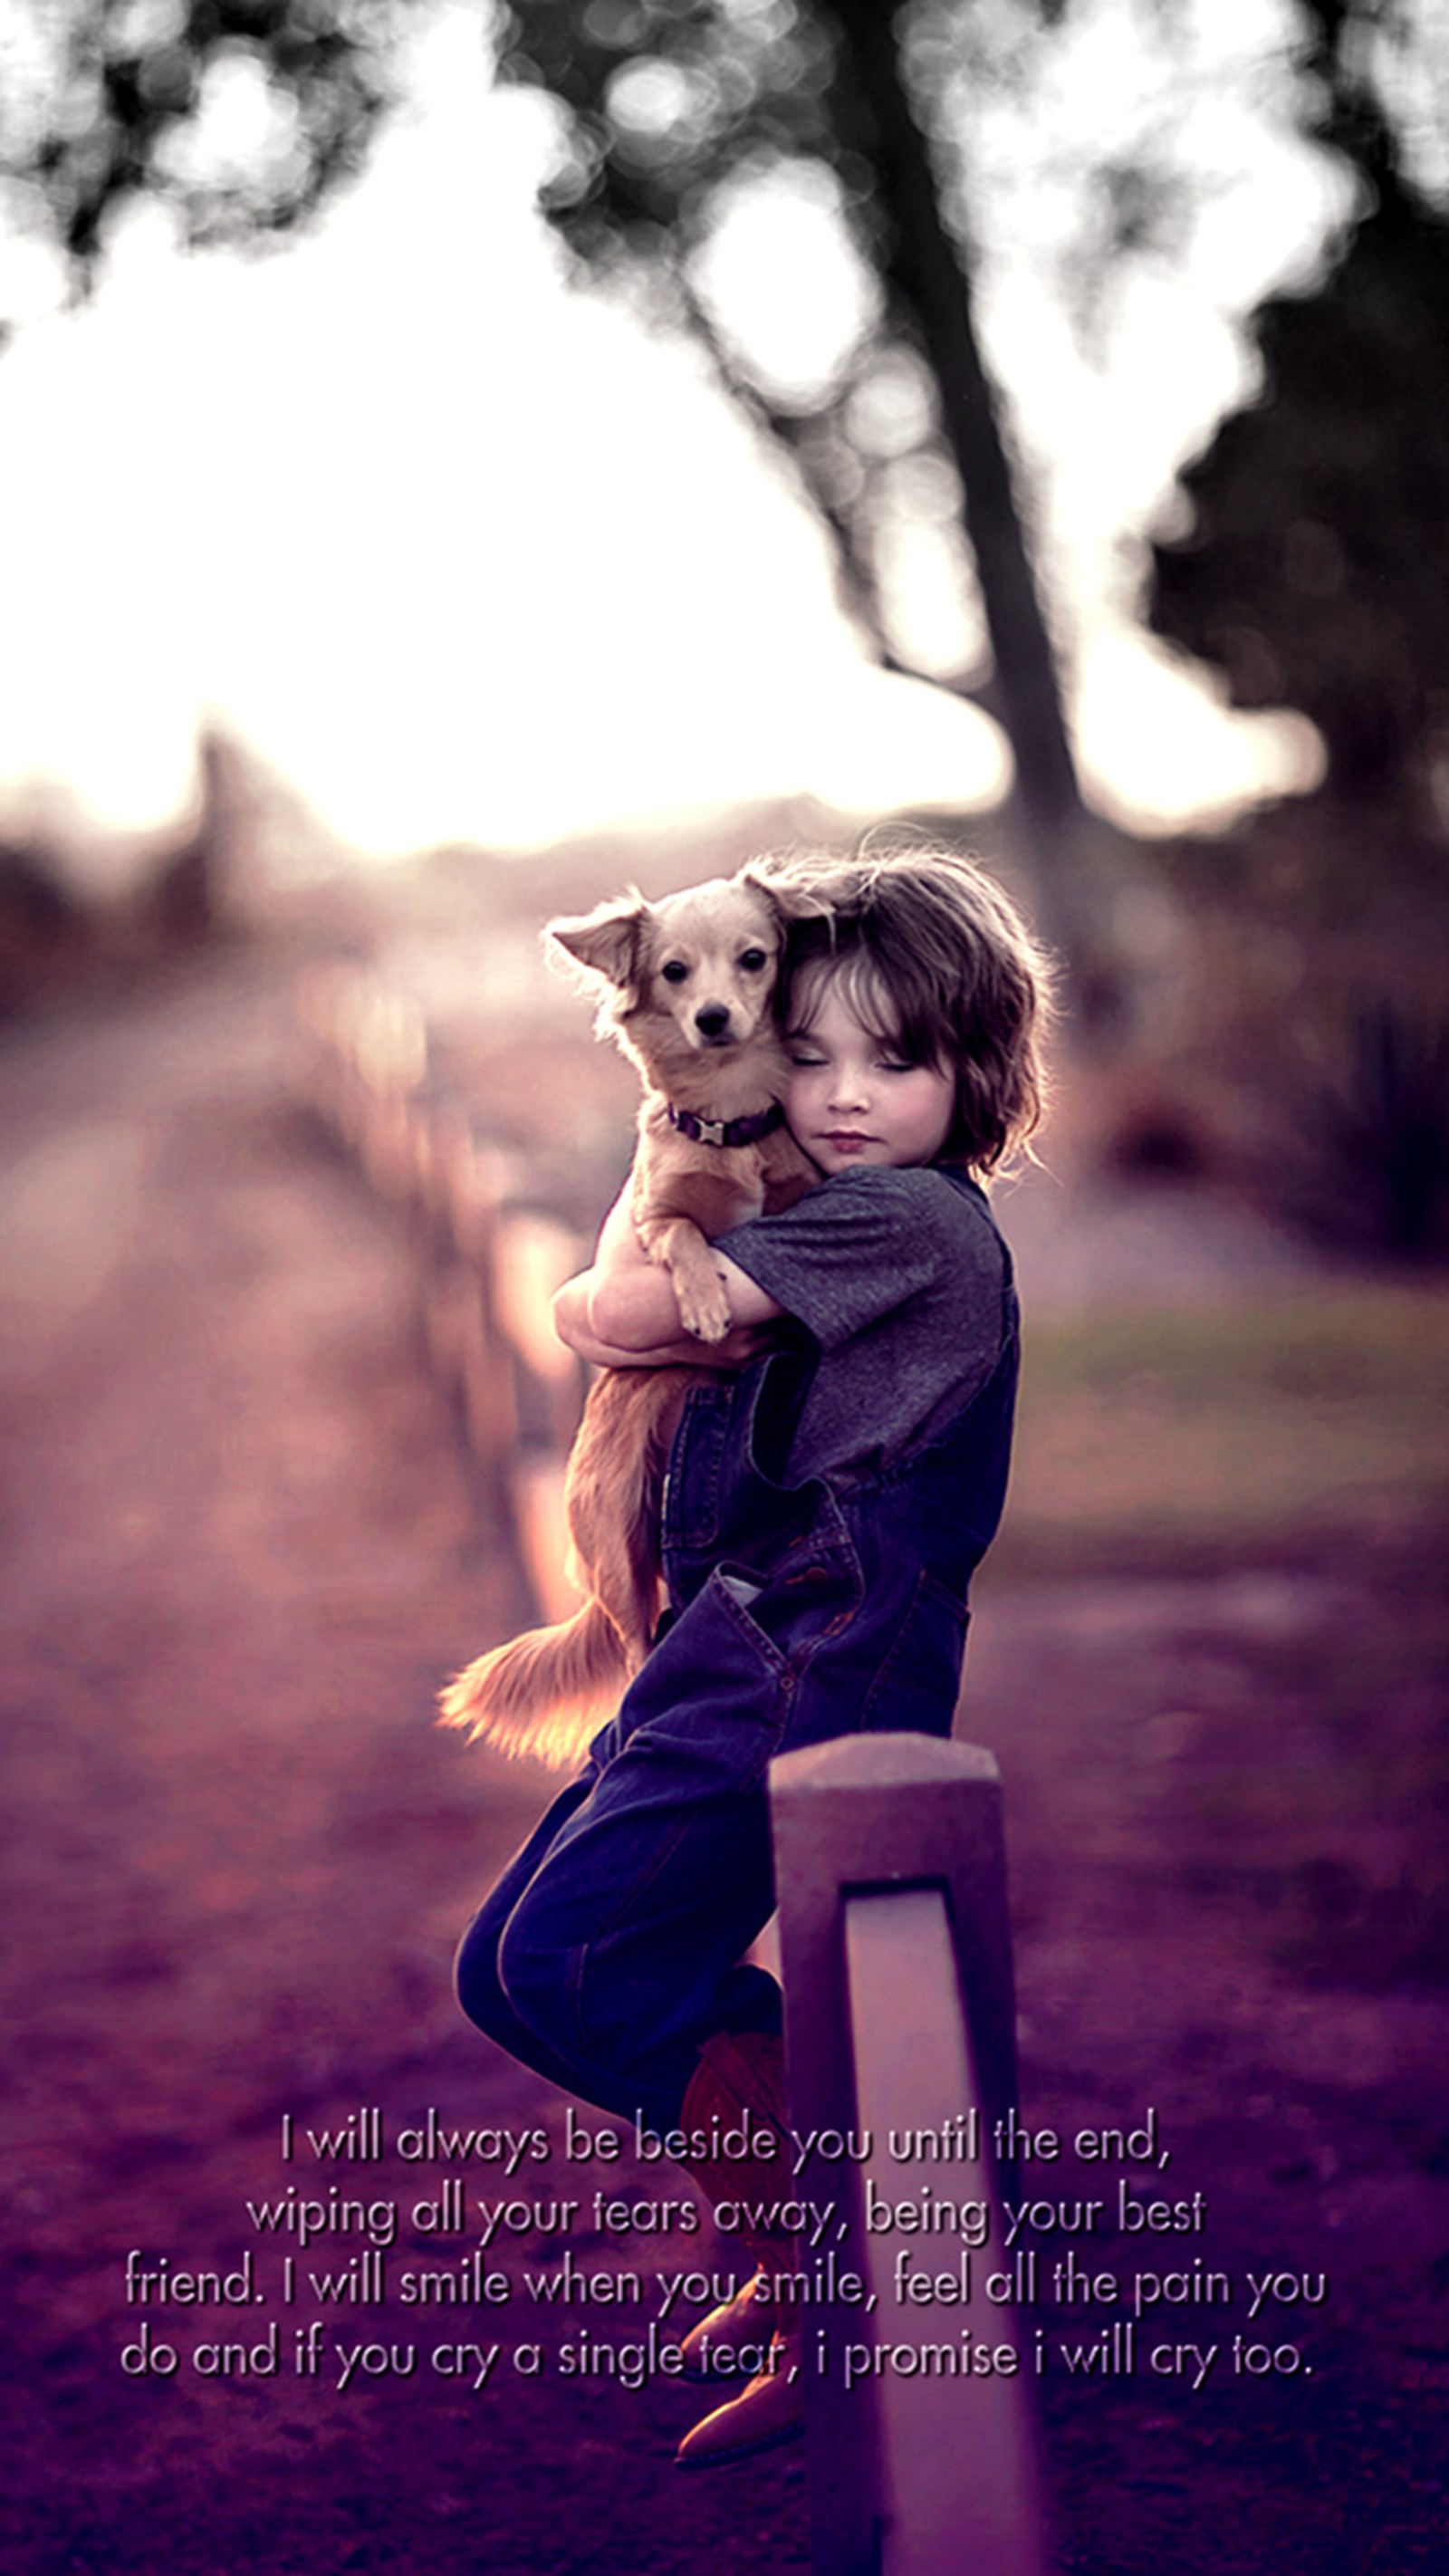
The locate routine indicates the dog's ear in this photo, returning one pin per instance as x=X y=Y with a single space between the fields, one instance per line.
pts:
x=609 y=941
x=784 y=885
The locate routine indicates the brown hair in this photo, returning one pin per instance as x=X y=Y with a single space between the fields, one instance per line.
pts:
x=932 y=947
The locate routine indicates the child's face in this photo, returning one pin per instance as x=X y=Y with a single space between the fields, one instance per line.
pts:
x=853 y=1100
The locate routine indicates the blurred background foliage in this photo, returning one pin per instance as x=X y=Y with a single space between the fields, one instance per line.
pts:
x=243 y=115
x=1274 y=997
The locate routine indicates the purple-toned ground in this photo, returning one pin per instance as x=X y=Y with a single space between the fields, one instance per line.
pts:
x=242 y=1548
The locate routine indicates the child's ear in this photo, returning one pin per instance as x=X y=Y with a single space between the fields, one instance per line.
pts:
x=608 y=941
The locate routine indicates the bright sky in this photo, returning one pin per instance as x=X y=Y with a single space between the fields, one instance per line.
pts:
x=466 y=556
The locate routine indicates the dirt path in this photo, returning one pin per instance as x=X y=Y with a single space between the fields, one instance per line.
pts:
x=241 y=1553
x=241 y=1549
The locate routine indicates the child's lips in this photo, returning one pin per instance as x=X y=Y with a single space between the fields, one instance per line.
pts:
x=846 y=1140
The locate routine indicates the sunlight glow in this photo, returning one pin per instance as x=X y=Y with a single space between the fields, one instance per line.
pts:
x=1143 y=718
x=465 y=554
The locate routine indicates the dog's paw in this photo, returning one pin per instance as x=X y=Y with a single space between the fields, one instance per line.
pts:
x=704 y=1311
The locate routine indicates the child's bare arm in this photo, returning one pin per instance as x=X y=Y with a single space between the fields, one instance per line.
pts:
x=572 y=1327
x=622 y=1312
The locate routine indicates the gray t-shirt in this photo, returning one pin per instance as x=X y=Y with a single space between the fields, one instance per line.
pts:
x=900 y=1276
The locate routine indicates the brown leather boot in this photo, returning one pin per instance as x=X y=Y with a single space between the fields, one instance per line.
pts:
x=739 y=2086
x=710 y=2348
x=769 y=2410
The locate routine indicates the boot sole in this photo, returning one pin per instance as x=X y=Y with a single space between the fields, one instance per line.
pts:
x=739 y=2452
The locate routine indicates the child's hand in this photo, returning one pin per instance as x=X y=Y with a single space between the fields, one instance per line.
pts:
x=572 y=1324
x=741 y=1343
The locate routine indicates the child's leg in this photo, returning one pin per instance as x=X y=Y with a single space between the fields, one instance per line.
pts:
x=610 y=1949
x=624 y=1953
x=475 y=1972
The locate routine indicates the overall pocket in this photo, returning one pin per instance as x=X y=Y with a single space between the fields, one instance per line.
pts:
x=919 y=1680
x=712 y=1700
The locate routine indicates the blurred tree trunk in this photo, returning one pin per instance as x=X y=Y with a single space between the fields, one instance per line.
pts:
x=930 y=269
x=829 y=88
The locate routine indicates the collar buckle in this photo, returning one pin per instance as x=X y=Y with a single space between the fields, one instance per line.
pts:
x=726 y=1132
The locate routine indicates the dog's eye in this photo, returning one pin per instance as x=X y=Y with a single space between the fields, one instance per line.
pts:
x=676 y=972
x=753 y=959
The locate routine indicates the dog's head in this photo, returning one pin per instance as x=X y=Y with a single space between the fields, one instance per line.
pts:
x=691 y=974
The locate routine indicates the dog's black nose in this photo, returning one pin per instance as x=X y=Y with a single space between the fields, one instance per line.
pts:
x=712 y=1021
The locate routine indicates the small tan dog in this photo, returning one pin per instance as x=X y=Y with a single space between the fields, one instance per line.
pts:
x=688 y=993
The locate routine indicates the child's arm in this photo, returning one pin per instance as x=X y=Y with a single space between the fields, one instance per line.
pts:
x=622 y=1311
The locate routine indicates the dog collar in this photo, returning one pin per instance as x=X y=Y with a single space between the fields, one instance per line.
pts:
x=726 y=1131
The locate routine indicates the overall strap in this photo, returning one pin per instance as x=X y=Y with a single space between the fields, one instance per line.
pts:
x=972 y=1189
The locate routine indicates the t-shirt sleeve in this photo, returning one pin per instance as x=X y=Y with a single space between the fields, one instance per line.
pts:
x=868 y=1245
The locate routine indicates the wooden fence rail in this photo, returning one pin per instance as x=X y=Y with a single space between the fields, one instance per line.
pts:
x=491 y=1255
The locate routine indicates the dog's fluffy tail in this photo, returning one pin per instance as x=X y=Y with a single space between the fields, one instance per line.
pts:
x=547 y=1692
x=544 y=1693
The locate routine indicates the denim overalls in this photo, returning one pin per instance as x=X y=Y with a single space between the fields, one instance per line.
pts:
x=612 y=1946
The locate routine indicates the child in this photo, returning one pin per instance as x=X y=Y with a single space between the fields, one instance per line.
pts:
x=831 y=1489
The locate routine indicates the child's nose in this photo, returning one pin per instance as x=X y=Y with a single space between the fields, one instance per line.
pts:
x=848 y=1088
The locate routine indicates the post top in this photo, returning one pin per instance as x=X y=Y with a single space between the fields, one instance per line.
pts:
x=887 y=1761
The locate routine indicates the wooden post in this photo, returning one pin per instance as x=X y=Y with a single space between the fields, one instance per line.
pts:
x=896 y=1953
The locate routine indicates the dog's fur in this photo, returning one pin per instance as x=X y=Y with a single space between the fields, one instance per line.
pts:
x=688 y=993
